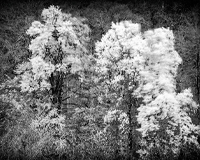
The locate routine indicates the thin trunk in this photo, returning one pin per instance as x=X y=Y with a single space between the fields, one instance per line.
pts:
x=197 y=58
x=130 y=136
x=129 y=113
x=116 y=126
x=132 y=106
x=197 y=63
x=57 y=84
x=131 y=103
x=57 y=80
x=197 y=76
x=59 y=94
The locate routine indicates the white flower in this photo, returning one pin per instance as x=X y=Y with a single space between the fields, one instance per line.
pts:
x=36 y=28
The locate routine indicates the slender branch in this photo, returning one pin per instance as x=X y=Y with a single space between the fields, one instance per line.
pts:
x=74 y=104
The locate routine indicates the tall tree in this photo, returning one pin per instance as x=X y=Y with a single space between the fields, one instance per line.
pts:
x=143 y=66
x=59 y=50
x=41 y=88
x=120 y=60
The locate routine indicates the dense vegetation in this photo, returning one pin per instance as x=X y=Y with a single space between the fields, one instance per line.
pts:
x=99 y=80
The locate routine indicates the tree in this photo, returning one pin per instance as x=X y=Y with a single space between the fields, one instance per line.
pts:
x=56 y=105
x=136 y=67
x=58 y=50
x=59 y=55
x=119 y=63
x=164 y=115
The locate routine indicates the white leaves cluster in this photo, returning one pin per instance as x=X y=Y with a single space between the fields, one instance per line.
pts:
x=40 y=68
x=166 y=106
x=161 y=64
x=36 y=77
x=58 y=47
x=50 y=14
x=150 y=60
x=50 y=128
x=116 y=116
x=56 y=38
x=62 y=26
x=116 y=50
x=49 y=121
x=162 y=105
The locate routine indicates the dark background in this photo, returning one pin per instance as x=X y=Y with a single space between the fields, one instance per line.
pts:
x=186 y=3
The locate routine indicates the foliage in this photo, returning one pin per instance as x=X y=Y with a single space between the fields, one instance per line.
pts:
x=58 y=48
x=14 y=41
x=33 y=135
x=148 y=64
x=187 y=38
x=100 y=17
x=61 y=102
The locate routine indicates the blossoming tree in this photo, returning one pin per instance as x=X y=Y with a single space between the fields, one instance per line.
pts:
x=119 y=60
x=164 y=115
x=136 y=72
x=141 y=69
x=59 y=49
x=58 y=53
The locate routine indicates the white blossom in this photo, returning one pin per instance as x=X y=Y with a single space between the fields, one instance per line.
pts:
x=150 y=59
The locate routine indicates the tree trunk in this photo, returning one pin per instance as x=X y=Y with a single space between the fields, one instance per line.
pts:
x=130 y=103
x=197 y=63
x=197 y=76
x=117 y=137
x=56 y=88
x=132 y=106
x=130 y=136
